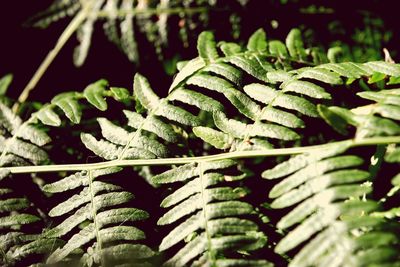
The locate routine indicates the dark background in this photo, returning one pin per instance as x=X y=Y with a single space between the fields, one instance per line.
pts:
x=23 y=47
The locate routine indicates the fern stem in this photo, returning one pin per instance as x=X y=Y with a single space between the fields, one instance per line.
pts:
x=179 y=161
x=64 y=37
x=94 y=214
x=210 y=253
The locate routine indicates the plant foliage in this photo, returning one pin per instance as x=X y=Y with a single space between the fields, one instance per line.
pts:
x=271 y=154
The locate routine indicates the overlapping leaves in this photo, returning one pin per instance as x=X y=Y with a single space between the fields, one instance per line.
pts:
x=100 y=218
x=209 y=211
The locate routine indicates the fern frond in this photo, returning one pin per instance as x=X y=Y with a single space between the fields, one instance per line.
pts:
x=212 y=213
x=331 y=214
x=103 y=208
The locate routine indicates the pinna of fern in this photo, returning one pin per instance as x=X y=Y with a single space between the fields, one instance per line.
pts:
x=107 y=234
x=210 y=212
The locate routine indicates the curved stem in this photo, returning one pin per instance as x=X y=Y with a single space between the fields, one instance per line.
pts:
x=179 y=161
x=64 y=37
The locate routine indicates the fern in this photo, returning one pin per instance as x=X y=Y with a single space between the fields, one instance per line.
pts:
x=333 y=215
x=216 y=225
x=121 y=19
x=102 y=206
x=260 y=101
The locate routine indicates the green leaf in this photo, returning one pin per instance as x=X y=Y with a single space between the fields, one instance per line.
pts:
x=177 y=114
x=199 y=100
x=384 y=67
x=121 y=215
x=128 y=253
x=250 y=241
x=181 y=64
x=227 y=71
x=261 y=92
x=8 y=119
x=190 y=68
x=244 y=104
x=47 y=116
x=5 y=82
x=230 y=49
x=277 y=48
x=195 y=186
x=69 y=105
x=212 y=83
x=231 y=225
x=278 y=76
x=77 y=179
x=295 y=45
x=17 y=219
x=322 y=75
x=95 y=94
x=305 y=88
x=257 y=41
x=215 y=138
x=206 y=46
x=251 y=65
x=82 y=214
x=393 y=80
x=111 y=199
x=121 y=233
x=192 y=224
x=144 y=93
x=281 y=117
x=3 y=174
x=34 y=135
x=119 y=93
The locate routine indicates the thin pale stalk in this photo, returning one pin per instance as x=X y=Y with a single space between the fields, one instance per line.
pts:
x=179 y=161
x=64 y=37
